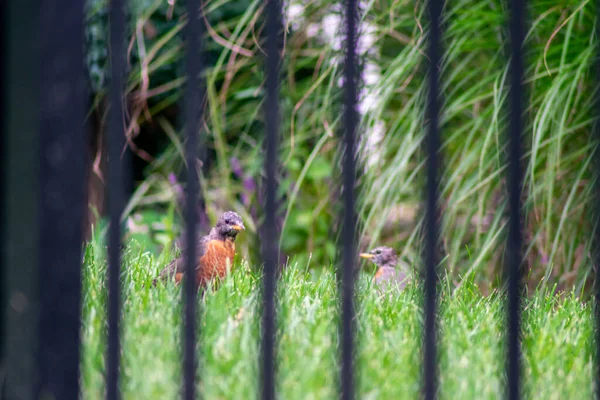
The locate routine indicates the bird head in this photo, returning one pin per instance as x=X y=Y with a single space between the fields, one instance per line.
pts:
x=229 y=224
x=382 y=256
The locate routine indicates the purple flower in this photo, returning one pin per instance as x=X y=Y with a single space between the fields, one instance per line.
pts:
x=236 y=167
x=248 y=182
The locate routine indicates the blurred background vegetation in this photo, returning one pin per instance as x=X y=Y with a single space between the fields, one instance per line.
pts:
x=559 y=146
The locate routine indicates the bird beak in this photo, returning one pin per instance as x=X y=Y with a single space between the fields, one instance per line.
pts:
x=238 y=227
x=366 y=255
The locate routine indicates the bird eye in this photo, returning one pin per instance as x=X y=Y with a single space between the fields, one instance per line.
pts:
x=228 y=221
x=377 y=251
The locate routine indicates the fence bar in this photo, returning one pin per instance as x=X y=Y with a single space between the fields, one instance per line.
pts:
x=4 y=28
x=192 y=109
x=434 y=105
x=61 y=197
x=350 y=122
x=20 y=164
x=515 y=185
x=115 y=142
x=274 y=29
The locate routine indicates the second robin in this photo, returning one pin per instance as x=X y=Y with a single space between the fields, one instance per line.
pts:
x=387 y=275
x=214 y=252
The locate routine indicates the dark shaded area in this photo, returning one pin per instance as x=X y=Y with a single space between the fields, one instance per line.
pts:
x=20 y=194
x=61 y=199
x=3 y=267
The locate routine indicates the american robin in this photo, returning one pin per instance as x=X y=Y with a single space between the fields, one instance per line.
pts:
x=387 y=275
x=214 y=252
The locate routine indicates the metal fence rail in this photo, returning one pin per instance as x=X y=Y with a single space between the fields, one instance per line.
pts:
x=192 y=109
x=115 y=141
x=346 y=269
x=274 y=31
x=60 y=200
x=19 y=292
x=431 y=259
x=514 y=259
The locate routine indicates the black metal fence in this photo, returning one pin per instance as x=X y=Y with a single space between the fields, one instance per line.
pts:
x=43 y=111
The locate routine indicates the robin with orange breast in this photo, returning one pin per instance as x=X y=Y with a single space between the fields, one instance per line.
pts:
x=387 y=275
x=214 y=252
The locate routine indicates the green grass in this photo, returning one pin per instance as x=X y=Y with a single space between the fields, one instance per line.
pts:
x=557 y=338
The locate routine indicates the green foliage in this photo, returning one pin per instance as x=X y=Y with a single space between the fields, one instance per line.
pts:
x=557 y=337
x=560 y=46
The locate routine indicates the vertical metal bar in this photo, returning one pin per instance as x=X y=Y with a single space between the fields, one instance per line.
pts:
x=274 y=29
x=20 y=163
x=192 y=126
x=350 y=122
x=434 y=105
x=62 y=197
x=4 y=27
x=515 y=186
x=115 y=142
